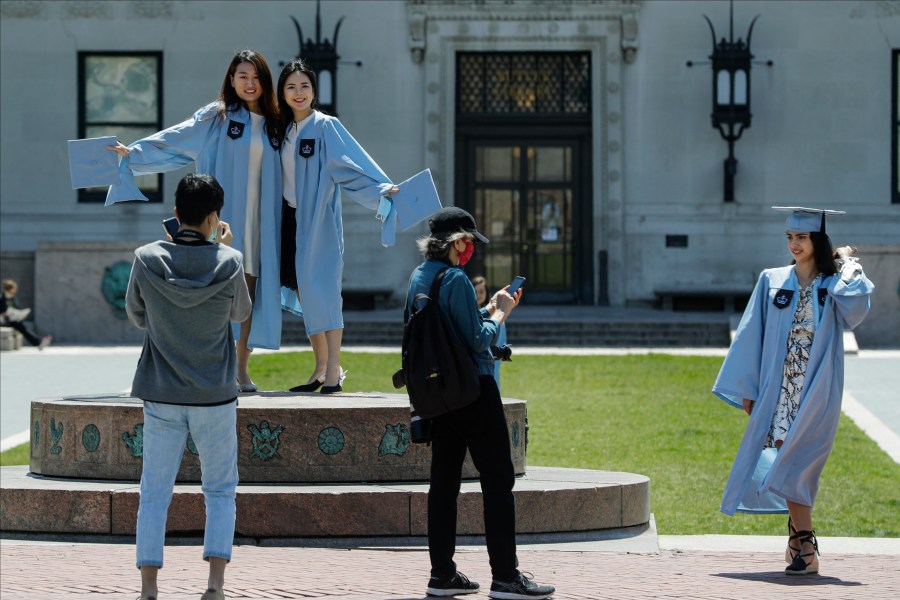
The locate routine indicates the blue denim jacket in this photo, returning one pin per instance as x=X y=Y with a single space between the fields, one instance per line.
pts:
x=473 y=328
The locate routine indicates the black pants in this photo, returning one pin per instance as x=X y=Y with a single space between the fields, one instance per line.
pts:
x=288 y=246
x=480 y=428
x=26 y=333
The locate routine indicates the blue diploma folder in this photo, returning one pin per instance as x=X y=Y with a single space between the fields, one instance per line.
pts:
x=417 y=200
x=91 y=164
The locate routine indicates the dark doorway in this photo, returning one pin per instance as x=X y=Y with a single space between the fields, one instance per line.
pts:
x=523 y=156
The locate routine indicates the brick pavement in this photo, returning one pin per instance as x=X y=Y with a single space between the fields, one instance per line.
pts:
x=45 y=570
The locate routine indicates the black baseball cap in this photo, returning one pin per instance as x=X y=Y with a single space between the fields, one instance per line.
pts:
x=453 y=220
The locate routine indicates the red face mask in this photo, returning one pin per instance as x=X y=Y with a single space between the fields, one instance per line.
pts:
x=466 y=254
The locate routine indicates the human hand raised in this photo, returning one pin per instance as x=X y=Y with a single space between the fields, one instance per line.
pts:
x=845 y=251
x=225 y=235
x=504 y=302
x=120 y=149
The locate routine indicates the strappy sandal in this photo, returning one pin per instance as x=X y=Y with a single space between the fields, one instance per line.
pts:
x=790 y=552
x=799 y=566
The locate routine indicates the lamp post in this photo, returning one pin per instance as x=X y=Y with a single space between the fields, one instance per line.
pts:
x=322 y=57
x=731 y=61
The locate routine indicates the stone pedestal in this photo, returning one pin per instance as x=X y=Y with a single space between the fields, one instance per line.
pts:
x=881 y=329
x=548 y=500
x=80 y=291
x=282 y=437
x=311 y=465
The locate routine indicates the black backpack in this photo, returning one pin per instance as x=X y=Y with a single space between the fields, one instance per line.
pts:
x=440 y=376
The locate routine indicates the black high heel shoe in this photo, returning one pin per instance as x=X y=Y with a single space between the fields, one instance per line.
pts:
x=333 y=389
x=311 y=386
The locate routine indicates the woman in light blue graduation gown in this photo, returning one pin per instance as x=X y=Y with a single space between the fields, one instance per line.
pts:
x=236 y=139
x=785 y=368
x=481 y=296
x=319 y=159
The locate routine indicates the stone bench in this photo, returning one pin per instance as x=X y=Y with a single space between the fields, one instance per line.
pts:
x=704 y=298
x=10 y=339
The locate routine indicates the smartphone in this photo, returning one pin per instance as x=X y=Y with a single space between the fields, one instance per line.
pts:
x=515 y=285
x=171 y=226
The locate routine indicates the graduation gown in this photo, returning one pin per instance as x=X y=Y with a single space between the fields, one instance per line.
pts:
x=762 y=481
x=327 y=160
x=220 y=146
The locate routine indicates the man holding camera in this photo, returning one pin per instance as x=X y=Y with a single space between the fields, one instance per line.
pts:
x=479 y=427
x=185 y=293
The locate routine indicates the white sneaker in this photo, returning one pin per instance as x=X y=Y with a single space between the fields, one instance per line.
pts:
x=247 y=387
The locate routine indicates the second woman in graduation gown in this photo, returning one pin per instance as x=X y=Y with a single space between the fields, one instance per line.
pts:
x=785 y=368
x=235 y=139
x=319 y=159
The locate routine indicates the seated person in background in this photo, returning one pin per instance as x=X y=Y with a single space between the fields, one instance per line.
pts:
x=13 y=316
x=483 y=299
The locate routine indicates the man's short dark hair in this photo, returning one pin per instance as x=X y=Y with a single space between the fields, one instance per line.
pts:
x=197 y=195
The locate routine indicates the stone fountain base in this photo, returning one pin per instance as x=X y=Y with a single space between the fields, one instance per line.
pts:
x=310 y=466
x=548 y=500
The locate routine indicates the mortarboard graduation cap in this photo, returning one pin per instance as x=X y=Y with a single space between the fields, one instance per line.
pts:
x=806 y=220
x=91 y=164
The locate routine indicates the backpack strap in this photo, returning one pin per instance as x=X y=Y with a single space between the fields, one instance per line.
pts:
x=435 y=291
x=432 y=293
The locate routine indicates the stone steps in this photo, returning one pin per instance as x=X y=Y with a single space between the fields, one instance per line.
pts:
x=581 y=500
x=547 y=333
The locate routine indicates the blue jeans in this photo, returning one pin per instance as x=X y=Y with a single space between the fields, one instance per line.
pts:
x=214 y=431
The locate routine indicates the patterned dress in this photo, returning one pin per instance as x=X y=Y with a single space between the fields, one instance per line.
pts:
x=799 y=343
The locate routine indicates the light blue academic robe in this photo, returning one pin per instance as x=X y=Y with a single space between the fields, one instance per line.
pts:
x=337 y=162
x=762 y=481
x=204 y=140
x=501 y=341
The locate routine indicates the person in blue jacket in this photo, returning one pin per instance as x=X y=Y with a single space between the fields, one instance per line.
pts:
x=479 y=428
x=785 y=369
x=319 y=158
x=236 y=139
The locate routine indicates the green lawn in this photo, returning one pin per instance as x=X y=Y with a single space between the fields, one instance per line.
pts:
x=654 y=415
x=15 y=456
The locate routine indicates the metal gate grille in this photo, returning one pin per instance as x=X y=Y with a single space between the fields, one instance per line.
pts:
x=520 y=83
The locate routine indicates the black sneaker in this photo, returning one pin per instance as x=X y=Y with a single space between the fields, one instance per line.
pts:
x=454 y=585
x=521 y=588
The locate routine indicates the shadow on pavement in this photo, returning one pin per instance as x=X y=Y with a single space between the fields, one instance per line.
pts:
x=778 y=577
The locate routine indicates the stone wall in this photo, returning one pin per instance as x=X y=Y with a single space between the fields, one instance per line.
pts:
x=881 y=328
x=70 y=302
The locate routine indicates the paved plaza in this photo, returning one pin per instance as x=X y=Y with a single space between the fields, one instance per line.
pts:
x=45 y=571
x=644 y=565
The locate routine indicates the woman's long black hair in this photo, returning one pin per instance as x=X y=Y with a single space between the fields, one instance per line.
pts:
x=229 y=100
x=295 y=66
x=823 y=253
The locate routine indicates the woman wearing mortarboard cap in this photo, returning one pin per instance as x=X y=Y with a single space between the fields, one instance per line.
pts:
x=235 y=139
x=785 y=369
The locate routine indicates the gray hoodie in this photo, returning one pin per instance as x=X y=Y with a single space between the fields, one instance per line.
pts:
x=185 y=296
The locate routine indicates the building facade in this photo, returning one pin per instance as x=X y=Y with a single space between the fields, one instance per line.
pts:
x=574 y=130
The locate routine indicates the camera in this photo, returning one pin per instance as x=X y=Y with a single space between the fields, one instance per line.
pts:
x=419 y=429
x=399 y=379
x=502 y=352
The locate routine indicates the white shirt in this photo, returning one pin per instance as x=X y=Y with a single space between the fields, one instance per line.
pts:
x=288 y=161
x=254 y=178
